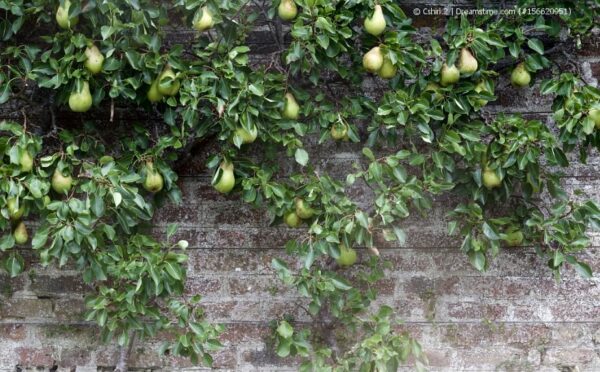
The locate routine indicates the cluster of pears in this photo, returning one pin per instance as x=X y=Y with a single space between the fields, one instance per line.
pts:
x=287 y=10
x=467 y=64
x=81 y=100
x=374 y=61
x=204 y=22
x=15 y=212
x=166 y=84
x=302 y=211
x=154 y=180
x=224 y=179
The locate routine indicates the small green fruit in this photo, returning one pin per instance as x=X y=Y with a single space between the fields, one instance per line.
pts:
x=15 y=211
x=375 y=24
x=514 y=238
x=94 y=59
x=373 y=60
x=60 y=183
x=26 y=162
x=449 y=75
x=154 y=180
x=435 y=88
x=20 y=233
x=81 y=101
x=246 y=136
x=227 y=180
x=62 y=16
x=594 y=114
x=153 y=94
x=168 y=84
x=520 y=77
x=287 y=10
x=347 y=256
x=339 y=131
x=481 y=87
x=387 y=70
x=302 y=210
x=205 y=22
x=292 y=220
x=291 y=109
x=467 y=63
x=490 y=179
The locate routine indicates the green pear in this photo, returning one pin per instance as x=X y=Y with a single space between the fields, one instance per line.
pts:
x=153 y=94
x=373 y=60
x=15 y=211
x=291 y=109
x=387 y=70
x=302 y=210
x=168 y=84
x=347 y=256
x=287 y=10
x=94 y=59
x=435 y=88
x=154 y=180
x=514 y=238
x=292 y=220
x=247 y=136
x=481 y=87
x=26 y=162
x=62 y=16
x=204 y=22
x=61 y=183
x=81 y=101
x=467 y=64
x=520 y=77
x=490 y=179
x=594 y=114
x=20 y=233
x=339 y=131
x=375 y=24
x=449 y=75
x=226 y=182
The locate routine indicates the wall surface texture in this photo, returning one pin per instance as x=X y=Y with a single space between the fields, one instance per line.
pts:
x=514 y=317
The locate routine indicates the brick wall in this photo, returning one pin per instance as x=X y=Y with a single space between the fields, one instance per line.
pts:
x=514 y=317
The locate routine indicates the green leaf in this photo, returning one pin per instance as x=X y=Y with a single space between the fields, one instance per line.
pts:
x=301 y=157
x=536 y=45
x=477 y=259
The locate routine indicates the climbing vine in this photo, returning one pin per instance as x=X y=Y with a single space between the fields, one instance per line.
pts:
x=353 y=71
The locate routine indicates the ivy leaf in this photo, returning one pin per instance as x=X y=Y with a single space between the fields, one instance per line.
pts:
x=477 y=259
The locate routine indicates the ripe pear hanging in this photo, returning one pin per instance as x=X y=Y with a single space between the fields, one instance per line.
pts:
x=61 y=183
x=520 y=77
x=449 y=75
x=287 y=10
x=94 y=60
x=168 y=84
x=81 y=101
x=154 y=180
x=387 y=70
x=373 y=60
x=467 y=63
x=375 y=25
x=62 y=16
x=204 y=22
x=291 y=109
x=20 y=233
x=226 y=182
